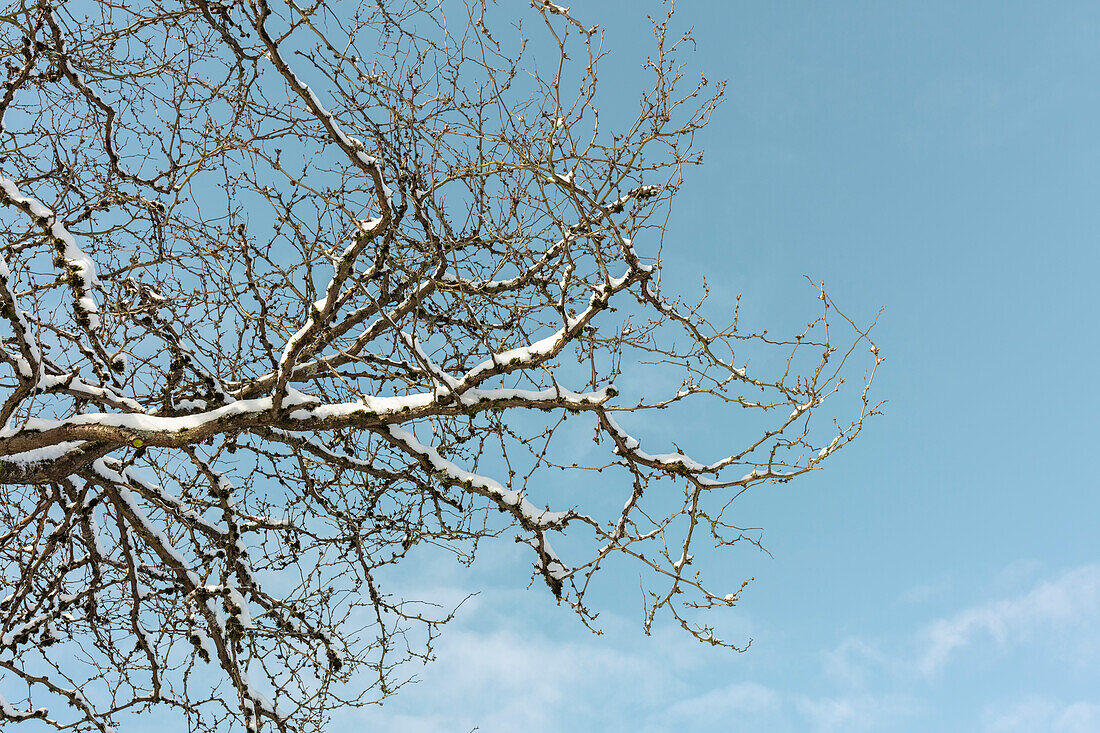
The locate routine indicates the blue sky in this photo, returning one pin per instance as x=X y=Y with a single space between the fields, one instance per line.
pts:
x=940 y=160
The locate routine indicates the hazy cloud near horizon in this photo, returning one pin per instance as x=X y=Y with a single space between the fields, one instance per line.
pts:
x=515 y=675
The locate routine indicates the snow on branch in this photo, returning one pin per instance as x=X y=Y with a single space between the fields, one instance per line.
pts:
x=78 y=267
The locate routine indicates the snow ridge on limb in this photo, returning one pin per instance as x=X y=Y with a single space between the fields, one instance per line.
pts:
x=28 y=362
x=10 y=713
x=182 y=430
x=72 y=384
x=79 y=268
x=545 y=349
x=527 y=515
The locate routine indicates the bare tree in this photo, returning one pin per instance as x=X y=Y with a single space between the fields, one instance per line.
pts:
x=293 y=290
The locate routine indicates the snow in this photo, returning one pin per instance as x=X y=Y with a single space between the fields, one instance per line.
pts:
x=383 y=406
x=204 y=642
x=368 y=225
x=555 y=567
x=345 y=141
x=369 y=404
x=76 y=260
x=292 y=342
x=630 y=442
x=260 y=699
x=46 y=453
x=553 y=8
x=150 y=487
x=26 y=369
x=522 y=354
x=566 y=178
x=799 y=409
x=9 y=638
x=492 y=487
x=332 y=291
x=673 y=459
x=829 y=448
x=559 y=394
x=679 y=460
x=149 y=423
x=100 y=467
x=34 y=206
x=9 y=711
x=83 y=268
x=238 y=600
x=73 y=381
x=293 y=397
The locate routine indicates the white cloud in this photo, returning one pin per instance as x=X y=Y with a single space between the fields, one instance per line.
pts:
x=854 y=712
x=1067 y=601
x=505 y=681
x=757 y=707
x=1018 y=572
x=855 y=663
x=511 y=673
x=733 y=702
x=502 y=681
x=1036 y=713
x=923 y=592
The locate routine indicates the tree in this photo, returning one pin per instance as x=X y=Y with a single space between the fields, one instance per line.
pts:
x=295 y=290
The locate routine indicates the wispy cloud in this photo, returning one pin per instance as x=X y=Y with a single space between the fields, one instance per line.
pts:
x=1037 y=713
x=1067 y=601
x=504 y=680
x=855 y=712
x=740 y=701
x=752 y=706
x=508 y=675
x=857 y=663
